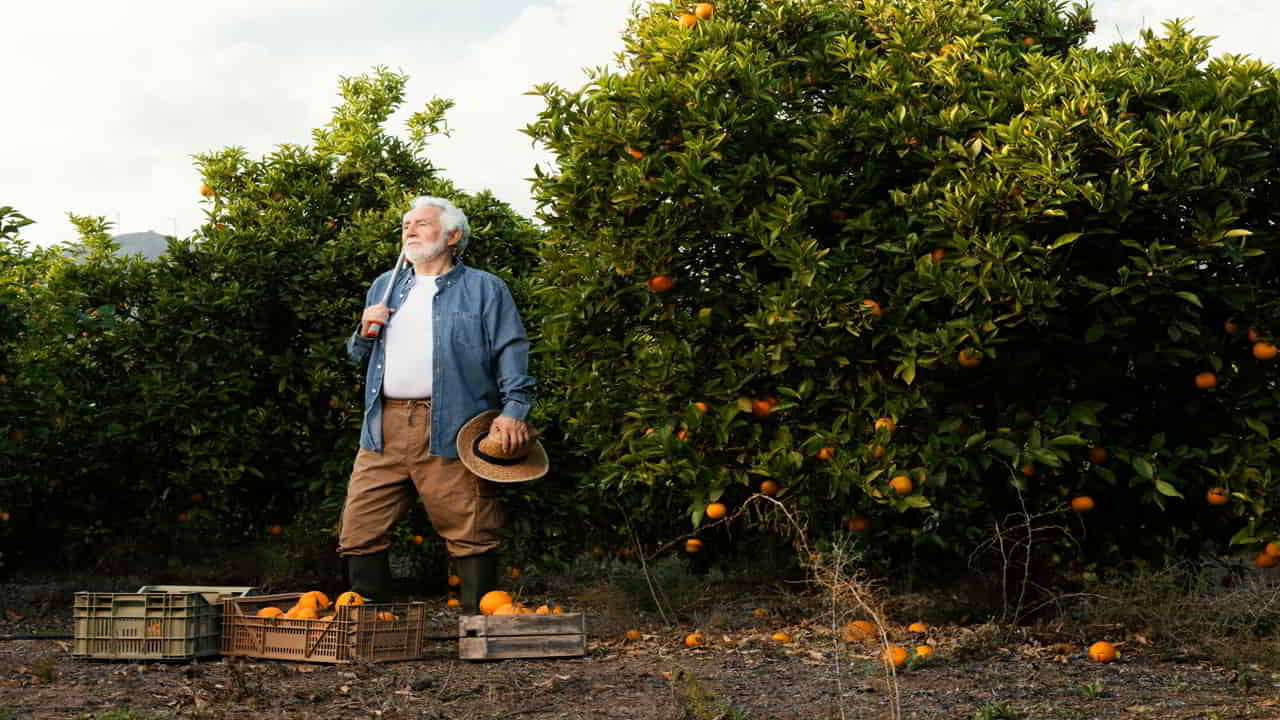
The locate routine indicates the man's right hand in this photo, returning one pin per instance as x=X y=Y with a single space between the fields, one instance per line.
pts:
x=372 y=314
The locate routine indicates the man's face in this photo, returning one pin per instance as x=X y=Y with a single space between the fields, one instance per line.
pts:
x=421 y=235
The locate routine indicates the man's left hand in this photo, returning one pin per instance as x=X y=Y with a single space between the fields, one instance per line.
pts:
x=510 y=432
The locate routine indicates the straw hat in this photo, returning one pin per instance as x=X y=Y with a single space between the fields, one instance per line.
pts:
x=483 y=455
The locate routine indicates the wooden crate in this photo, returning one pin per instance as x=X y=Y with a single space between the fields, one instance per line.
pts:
x=159 y=622
x=496 y=637
x=354 y=634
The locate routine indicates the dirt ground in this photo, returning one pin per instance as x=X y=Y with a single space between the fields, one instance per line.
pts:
x=742 y=673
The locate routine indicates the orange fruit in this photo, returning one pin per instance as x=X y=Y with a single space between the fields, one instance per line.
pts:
x=1273 y=549
x=1102 y=651
x=455 y=581
x=270 y=611
x=1029 y=470
x=1206 y=380
x=1217 y=496
x=319 y=600
x=1254 y=334
x=1264 y=350
x=660 y=283
x=1082 y=504
x=274 y=529
x=542 y=610
x=350 y=597
x=857 y=524
x=515 y=573
x=924 y=652
x=895 y=655
x=692 y=545
x=556 y=610
x=969 y=358
x=901 y=485
x=781 y=637
x=506 y=609
x=826 y=453
x=206 y=190
x=1028 y=41
x=873 y=307
x=687 y=20
x=701 y=407
x=1230 y=327
x=634 y=635
x=716 y=510
x=303 y=613
x=769 y=487
x=493 y=600
x=858 y=631
x=760 y=613
x=454 y=602
x=417 y=539
x=886 y=423
x=637 y=154
x=693 y=640
x=1098 y=454
x=917 y=627
x=937 y=255
x=385 y=616
x=876 y=451
x=704 y=11
x=682 y=435
x=761 y=407
x=1265 y=560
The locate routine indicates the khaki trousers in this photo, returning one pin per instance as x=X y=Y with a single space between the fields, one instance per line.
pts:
x=464 y=509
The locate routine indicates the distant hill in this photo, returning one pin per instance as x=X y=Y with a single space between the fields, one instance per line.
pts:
x=150 y=245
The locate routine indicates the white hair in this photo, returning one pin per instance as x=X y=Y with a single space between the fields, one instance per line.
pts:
x=451 y=218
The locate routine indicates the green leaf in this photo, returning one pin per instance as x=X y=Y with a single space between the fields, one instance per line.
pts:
x=1258 y=426
x=1244 y=536
x=1190 y=297
x=1071 y=440
x=1004 y=447
x=1143 y=467
x=917 y=501
x=1066 y=239
x=1164 y=488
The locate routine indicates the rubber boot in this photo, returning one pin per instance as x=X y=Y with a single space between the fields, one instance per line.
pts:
x=479 y=576
x=370 y=576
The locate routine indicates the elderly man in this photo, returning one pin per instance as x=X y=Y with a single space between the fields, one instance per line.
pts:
x=451 y=346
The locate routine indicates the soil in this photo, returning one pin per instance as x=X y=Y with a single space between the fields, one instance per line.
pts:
x=979 y=672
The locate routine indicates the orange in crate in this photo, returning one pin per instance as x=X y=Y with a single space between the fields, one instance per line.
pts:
x=367 y=632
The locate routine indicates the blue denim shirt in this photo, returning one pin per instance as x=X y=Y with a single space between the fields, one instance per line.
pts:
x=480 y=355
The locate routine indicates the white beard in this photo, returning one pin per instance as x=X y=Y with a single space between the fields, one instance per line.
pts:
x=427 y=252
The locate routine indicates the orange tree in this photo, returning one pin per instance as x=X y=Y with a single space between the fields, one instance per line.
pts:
x=206 y=396
x=771 y=228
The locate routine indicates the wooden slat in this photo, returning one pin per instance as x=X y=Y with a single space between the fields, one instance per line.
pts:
x=520 y=625
x=527 y=646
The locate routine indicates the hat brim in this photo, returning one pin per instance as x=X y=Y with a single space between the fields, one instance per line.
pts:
x=533 y=466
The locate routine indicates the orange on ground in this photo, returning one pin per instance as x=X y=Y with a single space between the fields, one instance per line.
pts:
x=858 y=631
x=692 y=545
x=873 y=307
x=969 y=358
x=1217 y=496
x=895 y=655
x=660 y=283
x=901 y=485
x=556 y=610
x=634 y=635
x=454 y=602
x=1082 y=504
x=826 y=453
x=1264 y=350
x=886 y=423
x=1265 y=560
x=493 y=600
x=704 y=11
x=781 y=637
x=693 y=640
x=760 y=612
x=1206 y=380
x=924 y=652
x=716 y=510
x=1098 y=454
x=506 y=609
x=1273 y=549
x=455 y=580
x=270 y=611
x=543 y=610
x=917 y=627
x=350 y=597
x=1102 y=651
x=769 y=487
x=687 y=20
x=857 y=524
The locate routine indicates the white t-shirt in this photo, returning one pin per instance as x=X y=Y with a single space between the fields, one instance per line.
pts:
x=409 y=342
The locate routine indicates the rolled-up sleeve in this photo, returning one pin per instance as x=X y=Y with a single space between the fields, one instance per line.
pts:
x=510 y=347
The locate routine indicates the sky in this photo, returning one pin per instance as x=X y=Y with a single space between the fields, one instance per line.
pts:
x=106 y=102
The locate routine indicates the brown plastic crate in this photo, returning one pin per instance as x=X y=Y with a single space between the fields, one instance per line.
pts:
x=354 y=633
x=156 y=623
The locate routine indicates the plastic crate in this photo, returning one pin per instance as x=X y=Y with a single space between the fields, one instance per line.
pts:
x=355 y=634
x=159 y=622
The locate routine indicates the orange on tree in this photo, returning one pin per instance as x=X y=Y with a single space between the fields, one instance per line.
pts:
x=876 y=451
x=937 y=255
x=826 y=453
x=1264 y=350
x=1230 y=326
x=1098 y=454
x=274 y=529
x=1217 y=496
x=692 y=545
x=873 y=307
x=493 y=600
x=763 y=407
x=716 y=510
x=660 y=283
x=901 y=485
x=1206 y=380
x=206 y=190
x=453 y=602
x=886 y=423
x=1082 y=503
x=857 y=524
x=1254 y=334
x=1272 y=549
x=895 y=655
x=1029 y=470
x=637 y=154
x=969 y=358
x=417 y=539
x=769 y=487
x=704 y=11
x=701 y=407
x=693 y=639
x=1102 y=651
x=687 y=20
x=1265 y=559
x=515 y=573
